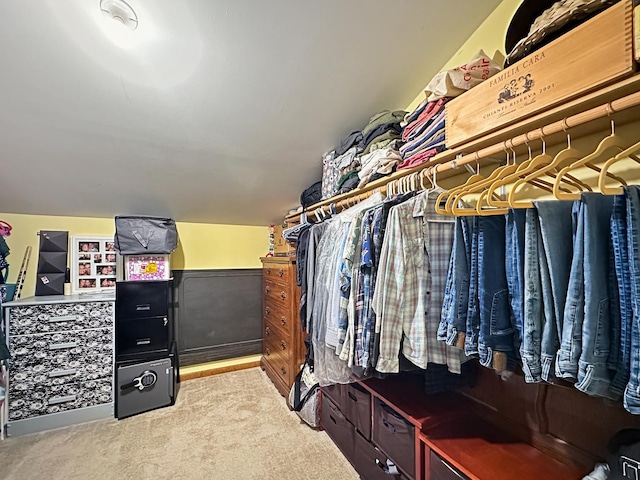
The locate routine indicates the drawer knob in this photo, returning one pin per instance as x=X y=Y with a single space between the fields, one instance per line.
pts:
x=283 y=345
x=280 y=272
x=268 y=271
x=268 y=351
x=283 y=320
x=283 y=370
x=267 y=311
x=283 y=295
x=267 y=331
x=267 y=289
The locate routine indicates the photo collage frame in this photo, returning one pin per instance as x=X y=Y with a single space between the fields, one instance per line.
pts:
x=94 y=263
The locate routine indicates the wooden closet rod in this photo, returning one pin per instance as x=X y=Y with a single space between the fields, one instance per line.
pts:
x=595 y=113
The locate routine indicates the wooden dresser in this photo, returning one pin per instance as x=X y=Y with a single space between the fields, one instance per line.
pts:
x=283 y=347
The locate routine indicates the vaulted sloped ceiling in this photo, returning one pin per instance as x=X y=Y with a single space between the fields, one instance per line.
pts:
x=212 y=111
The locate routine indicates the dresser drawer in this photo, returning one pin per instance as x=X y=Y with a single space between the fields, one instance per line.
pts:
x=275 y=344
x=276 y=293
x=25 y=377
x=34 y=319
x=276 y=316
x=279 y=362
x=60 y=350
x=272 y=331
x=278 y=272
x=48 y=399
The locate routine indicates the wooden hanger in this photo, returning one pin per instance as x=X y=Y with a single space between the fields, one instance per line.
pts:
x=629 y=153
x=612 y=141
x=540 y=166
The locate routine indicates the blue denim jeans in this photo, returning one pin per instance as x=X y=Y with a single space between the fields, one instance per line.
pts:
x=456 y=295
x=632 y=391
x=619 y=235
x=495 y=344
x=533 y=311
x=472 y=332
x=571 y=340
x=514 y=267
x=556 y=228
x=600 y=310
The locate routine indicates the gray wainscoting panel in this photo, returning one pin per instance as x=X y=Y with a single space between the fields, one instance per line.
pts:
x=218 y=314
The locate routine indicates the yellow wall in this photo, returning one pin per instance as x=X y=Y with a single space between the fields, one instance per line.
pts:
x=202 y=246
x=489 y=37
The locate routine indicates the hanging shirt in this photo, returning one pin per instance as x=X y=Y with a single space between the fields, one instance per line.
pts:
x=413 y=268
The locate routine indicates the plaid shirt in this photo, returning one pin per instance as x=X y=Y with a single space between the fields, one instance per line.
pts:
x=410 y=286
x=363 y=321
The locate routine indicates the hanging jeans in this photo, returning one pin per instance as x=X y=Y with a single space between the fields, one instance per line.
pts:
x=472 y=331
x=495 y=343
x=591 y=312
x=514 y=266
x=557 y=238
x=533 y=318
x=571 y=340
x=619 y=232
x=632 y=391
x=456 y=295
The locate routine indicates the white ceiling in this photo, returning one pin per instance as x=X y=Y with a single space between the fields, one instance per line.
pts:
x=210 y=111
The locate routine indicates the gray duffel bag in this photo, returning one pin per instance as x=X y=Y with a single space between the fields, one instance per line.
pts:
x=138 y=235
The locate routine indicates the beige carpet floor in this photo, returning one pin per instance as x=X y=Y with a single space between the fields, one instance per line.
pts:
x=230 y=426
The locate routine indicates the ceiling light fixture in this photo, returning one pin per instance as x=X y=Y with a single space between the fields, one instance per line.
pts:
x=121 y=12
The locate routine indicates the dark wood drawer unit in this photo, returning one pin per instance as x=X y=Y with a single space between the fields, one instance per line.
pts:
x=336 y=393
x=338 y=428
x=371 y=463
x=283 y=349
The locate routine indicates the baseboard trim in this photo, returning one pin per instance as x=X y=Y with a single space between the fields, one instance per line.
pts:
x=219 y=366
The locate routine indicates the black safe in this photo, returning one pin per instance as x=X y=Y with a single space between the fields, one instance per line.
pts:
x=144 y=385
x=144 y=319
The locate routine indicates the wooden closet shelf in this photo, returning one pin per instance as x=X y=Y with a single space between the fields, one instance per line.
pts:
x=481 y=450
x=615 y=98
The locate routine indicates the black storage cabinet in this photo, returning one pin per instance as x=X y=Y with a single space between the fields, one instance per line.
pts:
x=144 y=319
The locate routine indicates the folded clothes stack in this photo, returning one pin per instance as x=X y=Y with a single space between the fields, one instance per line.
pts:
x=363 y=155
x=423 y=133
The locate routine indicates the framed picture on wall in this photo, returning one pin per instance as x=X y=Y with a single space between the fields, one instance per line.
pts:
x=94 y=263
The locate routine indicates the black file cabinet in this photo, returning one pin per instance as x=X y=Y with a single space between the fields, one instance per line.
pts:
x=144 y=319
x=147 y=365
